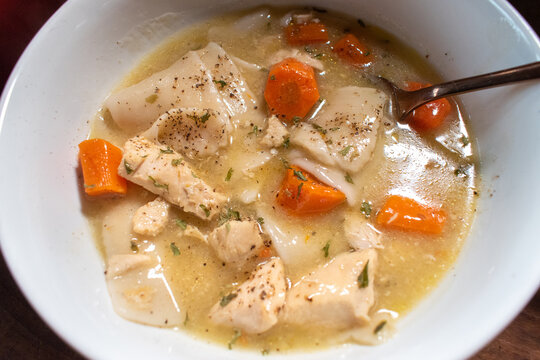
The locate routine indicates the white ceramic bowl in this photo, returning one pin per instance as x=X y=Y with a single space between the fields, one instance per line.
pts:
x=73 y=62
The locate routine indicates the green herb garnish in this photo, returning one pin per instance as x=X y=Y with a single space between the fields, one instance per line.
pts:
x=205 y=209
x=465 y=140
x=299 y=175
x=186 y=319
x=229 y=215
x=260 y=220
x=255 y=130
x=220 y=82
x=379 y=327
x=159 y=185
x=175 y=249
x=151 y=99
x=181 y=224
x=348 y=178
x=202 y=118
x=326 y=248
x=285 y=163
x=345 y=150
x=229 y=174
x=319 y=128
x=363 y=280
x=299 y=189
x=365 y=208
x=286 y=142
x=296 y=119
x=236 y=335
x=227 y=299
x=272 y=77
x=176 y=162
x=168 y=150
x=128 y=167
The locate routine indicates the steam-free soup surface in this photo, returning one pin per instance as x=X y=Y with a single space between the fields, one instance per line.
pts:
x=184 y=277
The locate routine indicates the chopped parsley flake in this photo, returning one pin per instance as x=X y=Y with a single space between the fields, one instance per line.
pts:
x=379 y=327
x=228 y=216
x=465 y=140
x=204 y=118
x=168 y=150
x=284 y=162
x=345 y=150
x=159 y=185
x=205 y=209
x=363 y=279
x=229 y=174
x=348 y=178
x=326 y=248
x=260 y=220
x=299 y=189
x=255 y=130
x=286 y=142
x=128 y=167
x=151 y=99
x=175 y=249
x=220 y=82
x=227 y=299
x=176 y=162
x=299 y=175
x=181 y=224
x=319 y=128
x=296 y=119
x=367 y=53
x=186 y=319
x=236 y=335
x=273 y=77
x=365 y=208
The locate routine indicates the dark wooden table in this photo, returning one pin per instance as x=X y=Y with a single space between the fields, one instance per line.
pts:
x=23 y=335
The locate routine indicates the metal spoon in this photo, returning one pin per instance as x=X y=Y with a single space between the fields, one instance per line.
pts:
x=404 y=102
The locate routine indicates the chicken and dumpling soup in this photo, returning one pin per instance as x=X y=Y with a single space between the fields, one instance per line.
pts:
x=247 y=183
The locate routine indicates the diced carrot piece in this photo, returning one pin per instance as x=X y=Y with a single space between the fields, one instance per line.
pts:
x=291 y=89
x=350 y=49
x=408 y=214
x=99 y=162
x=265 y=252
x=304 y=34
x=302 y=194
x=431 y=115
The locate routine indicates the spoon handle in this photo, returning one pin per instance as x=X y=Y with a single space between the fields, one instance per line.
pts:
x=497 y=78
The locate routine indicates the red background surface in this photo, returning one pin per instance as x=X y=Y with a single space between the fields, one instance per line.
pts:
x=23 y=335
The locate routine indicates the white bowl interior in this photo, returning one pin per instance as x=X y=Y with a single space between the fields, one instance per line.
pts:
x=75 y=60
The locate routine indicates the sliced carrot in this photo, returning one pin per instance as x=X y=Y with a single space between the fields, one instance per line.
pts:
x=291 y=89
x=408 y=214
x=431 y=115
x=350 y=49
x=265 y=252
x=99 y=162
x=304 y=34
x=302 y=194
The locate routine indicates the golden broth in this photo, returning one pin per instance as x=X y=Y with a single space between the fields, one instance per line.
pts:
x=409 y=265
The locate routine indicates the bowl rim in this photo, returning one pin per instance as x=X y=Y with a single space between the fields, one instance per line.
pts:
x=79 y=344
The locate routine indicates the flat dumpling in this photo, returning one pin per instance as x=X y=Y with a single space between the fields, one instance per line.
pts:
x=344 y=132
x=202 y=79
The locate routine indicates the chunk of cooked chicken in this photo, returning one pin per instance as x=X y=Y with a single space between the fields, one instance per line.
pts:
x=118 y=265
x=236 y=241
x=202 y=79
x=303 y=57
x=344 y=132
x=339 y=294
x=275 y=134
x=190 y=131
x=360 y=233
x=151 y=218
x=162 y=171
x=255 y=305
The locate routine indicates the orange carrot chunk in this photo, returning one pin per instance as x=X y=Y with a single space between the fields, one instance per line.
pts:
x=99 y=162
x=351 y=50
x=408 y=214
x=304 y=34
x=302 y=194
x=431 y=115
x=291 y=89
x=266 y=252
